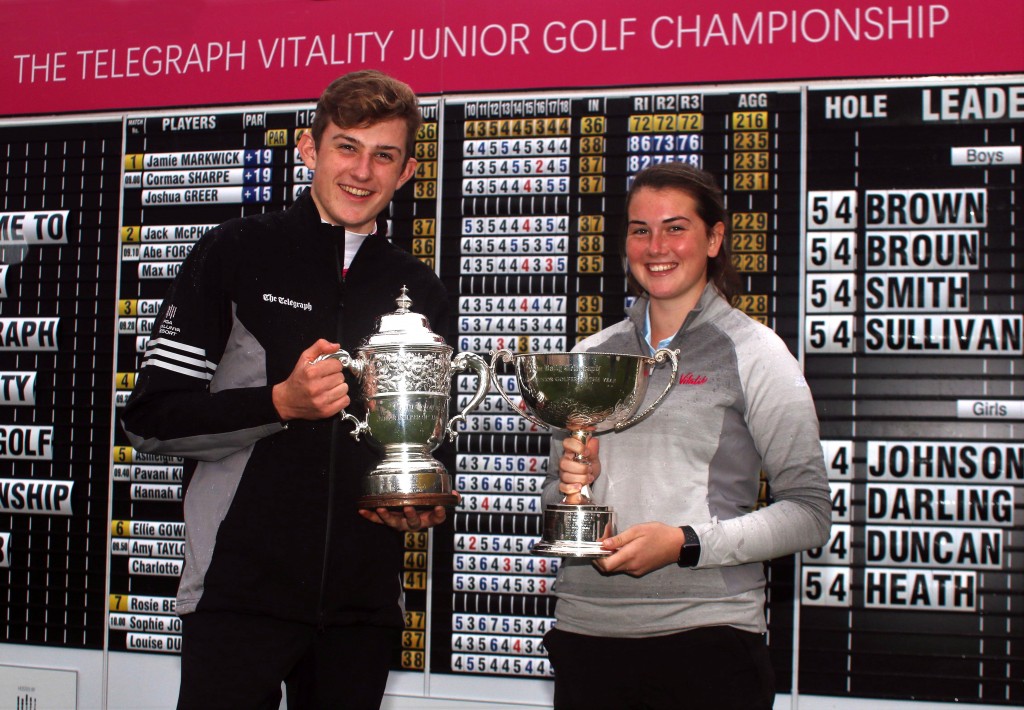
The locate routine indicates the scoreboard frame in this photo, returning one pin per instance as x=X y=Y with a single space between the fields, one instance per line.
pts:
x=879 y=290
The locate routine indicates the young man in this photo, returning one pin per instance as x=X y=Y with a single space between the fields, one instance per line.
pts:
x=285 y=579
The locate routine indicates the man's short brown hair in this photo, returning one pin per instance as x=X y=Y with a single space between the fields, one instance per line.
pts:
x=364 y=98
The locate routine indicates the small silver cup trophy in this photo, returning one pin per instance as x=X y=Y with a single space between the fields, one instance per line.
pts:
x=582 y=393
x=405 y=370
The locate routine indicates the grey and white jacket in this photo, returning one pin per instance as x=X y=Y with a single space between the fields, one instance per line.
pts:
x=741 y=407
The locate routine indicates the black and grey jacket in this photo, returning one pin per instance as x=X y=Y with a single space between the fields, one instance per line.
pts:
x=270 y=513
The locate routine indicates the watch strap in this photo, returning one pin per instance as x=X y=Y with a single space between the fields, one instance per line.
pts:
x=689 y=553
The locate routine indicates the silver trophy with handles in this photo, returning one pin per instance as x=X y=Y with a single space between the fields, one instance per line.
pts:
x=404 y=371
x=582 y=393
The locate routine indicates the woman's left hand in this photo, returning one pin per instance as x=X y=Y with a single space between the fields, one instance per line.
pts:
x=641 y=549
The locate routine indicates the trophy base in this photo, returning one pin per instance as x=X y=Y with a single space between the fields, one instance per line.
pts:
x=570 y=548
x=425 y=488
x=576 y=530
x=416 y=500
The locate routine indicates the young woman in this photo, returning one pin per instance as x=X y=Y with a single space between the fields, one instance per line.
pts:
x=674 y=616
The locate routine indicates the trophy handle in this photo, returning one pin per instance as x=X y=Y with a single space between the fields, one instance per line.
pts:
x=355 y=366
x=470 y=361
x=506 y=355
x=659 y=356
x=346 y=360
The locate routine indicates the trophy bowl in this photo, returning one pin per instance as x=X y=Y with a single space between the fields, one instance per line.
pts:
x=582 y=393
x=404 y=371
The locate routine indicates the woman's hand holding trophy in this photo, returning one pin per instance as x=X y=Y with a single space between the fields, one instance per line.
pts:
x=582 y=393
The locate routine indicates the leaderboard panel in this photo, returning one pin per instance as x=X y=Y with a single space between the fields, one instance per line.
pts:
x=532 y=199
x=183 y=174
x=914 y=341
x=59 y=197
x=876 y=228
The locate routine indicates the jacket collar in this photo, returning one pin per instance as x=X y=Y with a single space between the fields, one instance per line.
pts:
x=306 y=211
x=706 y=309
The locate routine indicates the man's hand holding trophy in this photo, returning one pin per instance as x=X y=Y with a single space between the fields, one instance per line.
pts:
x=405 y=369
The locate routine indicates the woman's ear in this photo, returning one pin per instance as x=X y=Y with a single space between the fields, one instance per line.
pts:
x=715 y=237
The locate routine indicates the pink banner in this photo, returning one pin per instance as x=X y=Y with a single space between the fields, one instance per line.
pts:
x=96 y=55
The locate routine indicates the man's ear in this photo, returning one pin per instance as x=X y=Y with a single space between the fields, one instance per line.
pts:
x=307 y=149
x=407 y=172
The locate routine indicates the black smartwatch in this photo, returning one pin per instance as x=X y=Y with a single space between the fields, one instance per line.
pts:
x=689 y=553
